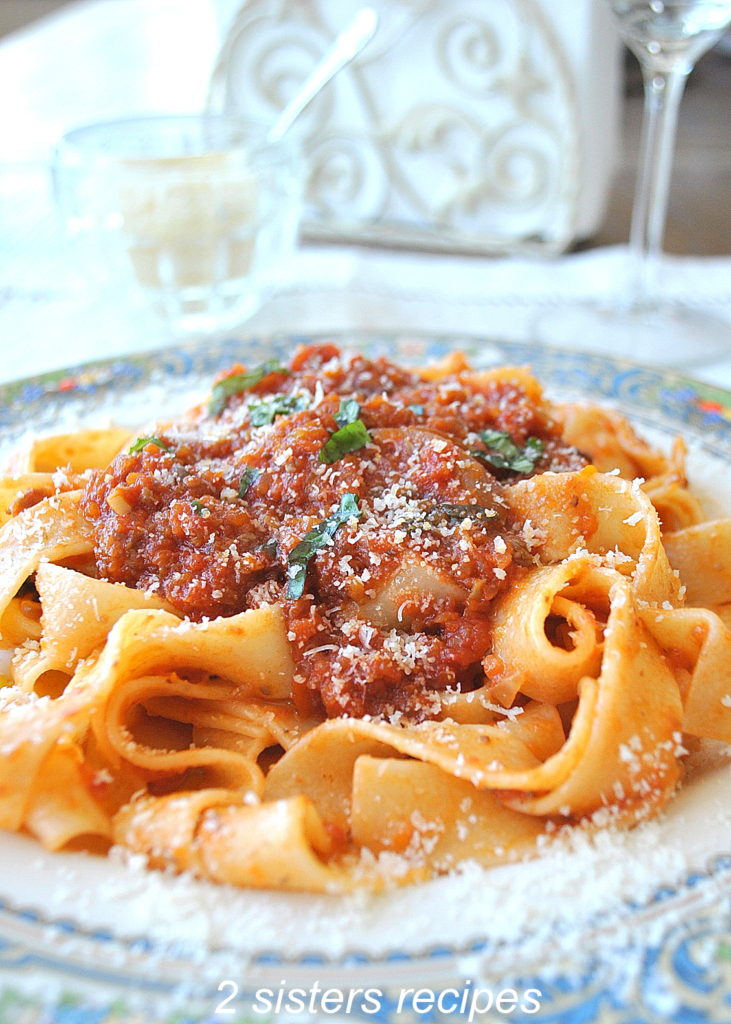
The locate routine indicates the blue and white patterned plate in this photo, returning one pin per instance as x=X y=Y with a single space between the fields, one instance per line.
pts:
x=628 y=929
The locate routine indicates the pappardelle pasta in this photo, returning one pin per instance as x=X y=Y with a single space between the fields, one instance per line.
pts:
x=347 y=624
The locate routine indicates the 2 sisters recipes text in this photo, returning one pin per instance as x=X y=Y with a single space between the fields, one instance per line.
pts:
x=347 y=623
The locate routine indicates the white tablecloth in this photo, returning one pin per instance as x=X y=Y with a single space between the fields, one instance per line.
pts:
x=45 y=324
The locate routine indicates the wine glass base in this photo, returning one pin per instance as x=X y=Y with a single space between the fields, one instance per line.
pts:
x=665 y=336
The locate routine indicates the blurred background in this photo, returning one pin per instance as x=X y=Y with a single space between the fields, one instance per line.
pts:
x=699 y=219
x=516 y=141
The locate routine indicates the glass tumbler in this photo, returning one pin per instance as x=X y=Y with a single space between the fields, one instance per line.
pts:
x=197 y=215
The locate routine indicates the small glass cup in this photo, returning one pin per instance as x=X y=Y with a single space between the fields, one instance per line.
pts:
x=196 y=214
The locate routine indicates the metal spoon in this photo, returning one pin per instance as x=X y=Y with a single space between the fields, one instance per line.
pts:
x=345 y=47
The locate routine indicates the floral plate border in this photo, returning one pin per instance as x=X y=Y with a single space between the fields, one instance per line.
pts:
x=668 y=960
x=651 y=394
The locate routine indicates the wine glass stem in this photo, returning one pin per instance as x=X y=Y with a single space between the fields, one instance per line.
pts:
x=663 y=91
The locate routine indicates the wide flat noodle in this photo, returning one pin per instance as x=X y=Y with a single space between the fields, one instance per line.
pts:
x=182 y=739
x=676 y=505
x=21 y=622
x=603 y=515
x=222 y=719
x=610 y=441
x=698 y=646
x=436 y=820
x=241 y=649
x=30 y=729
x=77 y=451
x=50 y=531
x=213 y=833
x=27 y=488
x=621 y=751
x=104 y=688
x=249 y=649
x=169 y=751
x=527 y=768
x=536 y=611
x=78 y=613
x=59 y=814
x=702 y=556
x=618 y=762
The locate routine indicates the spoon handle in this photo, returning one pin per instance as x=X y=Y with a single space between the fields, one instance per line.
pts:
x=345 y=47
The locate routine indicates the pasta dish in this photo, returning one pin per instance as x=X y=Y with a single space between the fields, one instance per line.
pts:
x=346 y=624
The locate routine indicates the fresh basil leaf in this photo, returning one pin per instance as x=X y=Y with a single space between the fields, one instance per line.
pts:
x=349 y=438
x=316 y=538
x=504 y=453
x=529 y=456
x=142 y=442
x=237 y=383
x=348 y=412
x=263 y=411
x=250 y=474
x=199 y=508
x=502 y=446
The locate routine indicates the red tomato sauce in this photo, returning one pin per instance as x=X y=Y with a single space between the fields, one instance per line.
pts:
x=388 y=605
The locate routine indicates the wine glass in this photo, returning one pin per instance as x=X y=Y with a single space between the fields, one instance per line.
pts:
x=667 y=37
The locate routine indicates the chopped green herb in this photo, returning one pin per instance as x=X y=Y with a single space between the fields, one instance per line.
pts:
x=270 y=547
x=263 y=411
x=532 y=452
x=199 y=508
x=351 y=435
x=316 y=538
x=349 y=438
x=142 y=442
x=348 y=412
x=250 y=474
x=460 y=512
x=240 y=382
x=416 y=408
x=504 y=453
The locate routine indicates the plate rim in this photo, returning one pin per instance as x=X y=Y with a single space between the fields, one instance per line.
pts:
x=76 y=382
x=702 y=408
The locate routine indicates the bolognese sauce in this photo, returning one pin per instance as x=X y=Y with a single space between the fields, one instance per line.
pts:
x=368 y=500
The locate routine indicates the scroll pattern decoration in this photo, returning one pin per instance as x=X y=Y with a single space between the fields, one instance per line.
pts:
x=458 y=126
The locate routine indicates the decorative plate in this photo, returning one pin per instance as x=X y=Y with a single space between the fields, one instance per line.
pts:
x=621 y=929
